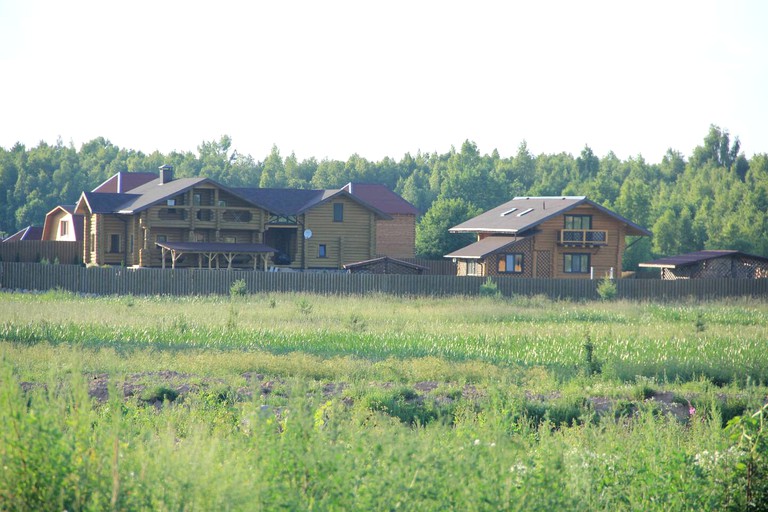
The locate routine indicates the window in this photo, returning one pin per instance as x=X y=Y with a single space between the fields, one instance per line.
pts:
x=63 y=228
x=130 y=244
x=114 y=243
x=222 y=203
x=578 y=222
x=511 y=263
x=338 y=212
x=473 y=269
x=321 y=251
x=230 y=240
x=196 y=199
x=576 y=263
x=161 y=238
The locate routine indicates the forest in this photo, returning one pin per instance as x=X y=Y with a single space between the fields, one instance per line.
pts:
x=715 y=198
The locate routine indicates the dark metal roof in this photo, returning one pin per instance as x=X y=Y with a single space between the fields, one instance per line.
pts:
x=28 y=233
x=281 y=201
x=523 y=213
x=486 y=246
x=206 y=247
x=99 y=202
x=379 y=196
x=682 y=260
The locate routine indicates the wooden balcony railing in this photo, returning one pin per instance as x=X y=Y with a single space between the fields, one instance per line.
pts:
x=584 y=237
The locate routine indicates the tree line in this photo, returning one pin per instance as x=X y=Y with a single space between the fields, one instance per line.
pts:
x=715 y=198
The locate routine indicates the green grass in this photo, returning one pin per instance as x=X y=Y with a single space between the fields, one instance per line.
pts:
x=507 y=422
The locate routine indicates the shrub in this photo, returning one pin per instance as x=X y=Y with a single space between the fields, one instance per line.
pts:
x=489 y=288
x=606 y=289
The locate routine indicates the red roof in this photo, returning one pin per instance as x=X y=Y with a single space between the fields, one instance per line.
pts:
x=124 y=181
x=381 y=198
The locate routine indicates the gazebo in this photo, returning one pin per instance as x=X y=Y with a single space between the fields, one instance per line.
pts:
x=212 y=250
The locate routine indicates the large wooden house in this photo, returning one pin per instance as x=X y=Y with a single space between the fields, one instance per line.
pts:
x=545 y=237
x=197 y=222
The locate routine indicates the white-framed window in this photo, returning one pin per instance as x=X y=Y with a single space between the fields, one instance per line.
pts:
x=63 y=228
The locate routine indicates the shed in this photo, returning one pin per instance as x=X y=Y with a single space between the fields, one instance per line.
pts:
x=384 y=265
x=711 y=264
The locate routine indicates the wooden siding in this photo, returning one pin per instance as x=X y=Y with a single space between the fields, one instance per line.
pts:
x=346 y=242
x=145 y=281
x=602 y=258
x=396 y=238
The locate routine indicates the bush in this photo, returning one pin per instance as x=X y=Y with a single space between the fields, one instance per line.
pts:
x=606 y=289
x=238 y=289
x=489 y=288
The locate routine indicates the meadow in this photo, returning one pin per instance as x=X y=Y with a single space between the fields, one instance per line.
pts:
x=297 y=401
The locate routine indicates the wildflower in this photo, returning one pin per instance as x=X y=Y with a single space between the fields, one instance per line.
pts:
x=477 y=442
x=691 y=408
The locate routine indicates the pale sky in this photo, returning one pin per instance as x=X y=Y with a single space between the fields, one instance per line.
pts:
x=329 y=78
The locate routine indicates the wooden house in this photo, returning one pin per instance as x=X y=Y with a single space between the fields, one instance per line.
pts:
x=545 y=237
x=198 y=222
x=713 y=264
x=395 y=237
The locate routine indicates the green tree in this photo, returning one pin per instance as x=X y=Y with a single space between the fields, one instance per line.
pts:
x=432 y=237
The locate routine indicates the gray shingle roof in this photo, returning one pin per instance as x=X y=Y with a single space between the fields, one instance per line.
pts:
x=486 y=246
x=523 y=213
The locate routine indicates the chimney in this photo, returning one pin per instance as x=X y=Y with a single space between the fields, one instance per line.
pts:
x=166 y=173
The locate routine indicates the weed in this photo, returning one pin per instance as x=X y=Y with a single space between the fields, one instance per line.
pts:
x=304 y=306
x=239 y=288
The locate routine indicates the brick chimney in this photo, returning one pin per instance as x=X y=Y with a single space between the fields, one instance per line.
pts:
x=166 y=173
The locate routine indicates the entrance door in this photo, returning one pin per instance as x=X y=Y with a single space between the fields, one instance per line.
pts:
x=284 y=240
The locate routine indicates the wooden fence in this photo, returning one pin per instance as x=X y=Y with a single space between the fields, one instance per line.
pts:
x=150 y=281
x=66 y=253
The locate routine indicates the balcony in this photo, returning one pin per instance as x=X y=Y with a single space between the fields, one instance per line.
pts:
x=583 y=237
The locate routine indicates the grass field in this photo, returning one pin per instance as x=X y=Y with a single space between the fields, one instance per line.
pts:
x=268 y=402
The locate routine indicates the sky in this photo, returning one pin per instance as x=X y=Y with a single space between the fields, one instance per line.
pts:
x=329 y=79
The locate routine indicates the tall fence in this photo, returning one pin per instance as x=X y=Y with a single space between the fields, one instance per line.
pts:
x=150 y=281
x=66 y=253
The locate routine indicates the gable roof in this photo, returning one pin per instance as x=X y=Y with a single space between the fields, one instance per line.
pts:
x=125 y=181
x=28 y=233
x=382 y=198
x=155 y=191
x=386 y=260
x=486 y=246
x=523 y=213
x=98 y=202
x=286 y=201
x=691 y=258
x=149 y=193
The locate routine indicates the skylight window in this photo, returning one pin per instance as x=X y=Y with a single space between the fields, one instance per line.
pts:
x=508 y=212
x=529 y=210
